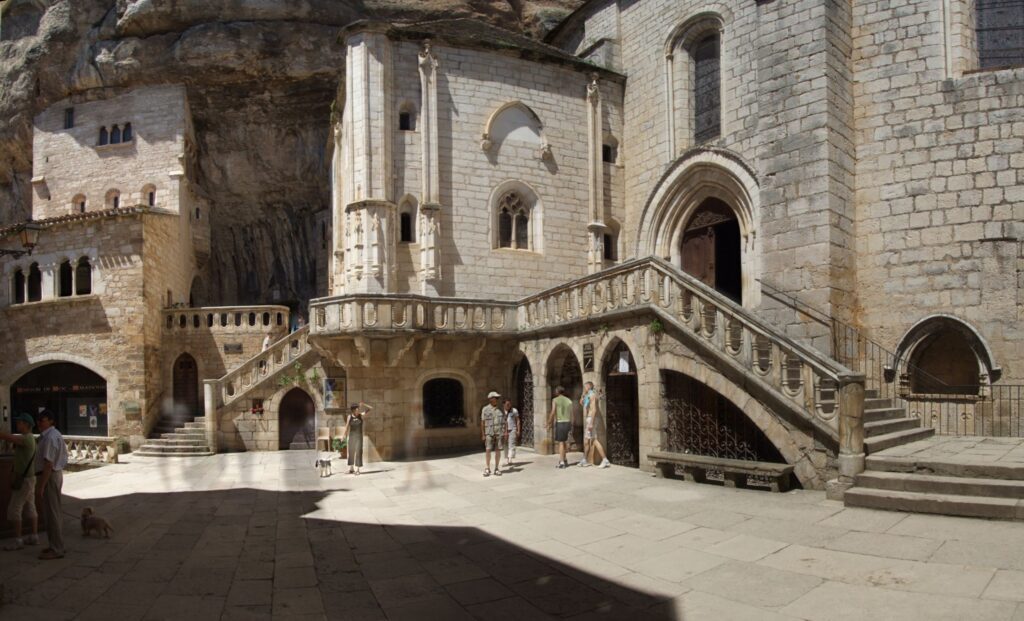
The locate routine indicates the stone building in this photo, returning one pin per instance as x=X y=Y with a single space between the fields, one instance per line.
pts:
x=735 y=217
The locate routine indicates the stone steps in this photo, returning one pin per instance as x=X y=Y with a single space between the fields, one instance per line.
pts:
x=177 y=438
x=890 y=425
x=944 y=504
x=878 y=443
x=886 y=463
x=873 y=415
x=938 y=484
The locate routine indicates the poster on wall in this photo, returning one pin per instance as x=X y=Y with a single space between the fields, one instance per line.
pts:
x=93 y=422
x=334 y=393
x=83 y=411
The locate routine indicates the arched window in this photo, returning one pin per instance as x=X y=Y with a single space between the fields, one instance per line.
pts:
x=610 y=150
x=19 y=286
x=113 y=199
x=1000 y=33
x=407 y=117
x=35 y=283
x=514 y=222
x=706 y=89
x=149 y=194
x=407 y=220
x=104 y=137
x=126 y=135
x=611 y=241
x=78 y=203
x=83 y=277
x=64 y=276
x=443 y=403
x=115 y=135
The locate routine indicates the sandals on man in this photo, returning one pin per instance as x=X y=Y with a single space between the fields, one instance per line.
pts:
x=487 y=472
x=497 y=472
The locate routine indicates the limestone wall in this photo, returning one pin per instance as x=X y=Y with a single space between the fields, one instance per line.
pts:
x=940 y=181
x=69 y=162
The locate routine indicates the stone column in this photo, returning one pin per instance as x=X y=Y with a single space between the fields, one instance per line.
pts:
x=369 y=213
x=210 y=403
x=430 y=207
x=595 y=136
x=851 y=435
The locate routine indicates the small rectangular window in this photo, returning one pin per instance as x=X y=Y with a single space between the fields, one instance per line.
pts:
x=405 y=121
x=608 y=153
x=69 y=118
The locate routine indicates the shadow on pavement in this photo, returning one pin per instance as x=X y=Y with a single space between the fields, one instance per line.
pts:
x=250 y=554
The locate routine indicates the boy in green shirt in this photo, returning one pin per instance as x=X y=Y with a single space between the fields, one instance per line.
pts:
x=561 y=420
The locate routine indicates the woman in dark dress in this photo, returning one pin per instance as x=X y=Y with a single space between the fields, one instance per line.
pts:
x=354 y=433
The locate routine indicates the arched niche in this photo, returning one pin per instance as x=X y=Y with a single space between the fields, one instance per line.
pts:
x=942 y=354
x=516 y=122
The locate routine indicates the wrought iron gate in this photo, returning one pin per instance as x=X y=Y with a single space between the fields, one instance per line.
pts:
x=622 y=437
x=524 y=402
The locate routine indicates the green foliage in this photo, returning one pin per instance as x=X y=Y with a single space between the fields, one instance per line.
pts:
x=655 y=326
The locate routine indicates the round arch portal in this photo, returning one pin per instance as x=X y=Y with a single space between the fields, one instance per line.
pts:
x=296 y=420
x=75 y=394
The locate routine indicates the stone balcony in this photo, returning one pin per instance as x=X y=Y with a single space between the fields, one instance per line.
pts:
x=234 y=319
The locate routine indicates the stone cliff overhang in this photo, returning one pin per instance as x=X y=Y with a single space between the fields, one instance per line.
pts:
x=474 y=34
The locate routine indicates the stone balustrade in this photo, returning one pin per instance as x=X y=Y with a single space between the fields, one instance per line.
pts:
x=91 y=448
x=279 y=355
x=809 y=381
x=225 y=318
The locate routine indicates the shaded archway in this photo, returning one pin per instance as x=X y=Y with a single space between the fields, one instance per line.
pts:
x=75 y=394
x=564 y=370
x=942 y=354
x=185 y=388
x=700 y=421
x=296 y=420
x=622 y=412
x=522 y=399
x=710 y=248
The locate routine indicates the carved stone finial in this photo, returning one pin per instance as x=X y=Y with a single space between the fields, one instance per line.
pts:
x=593 y=91
x=485 y=142
x=427 y=59
x=544 y=152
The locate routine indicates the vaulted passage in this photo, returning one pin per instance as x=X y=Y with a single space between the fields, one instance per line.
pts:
x=296 y=421
x=711 y=248
x=564 y=370
x=74 y=393
x=702 y=422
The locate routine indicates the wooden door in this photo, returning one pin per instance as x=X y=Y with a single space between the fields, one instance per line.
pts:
x=699 y=254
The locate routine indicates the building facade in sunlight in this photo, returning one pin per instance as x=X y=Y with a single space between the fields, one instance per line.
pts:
x=748 y=223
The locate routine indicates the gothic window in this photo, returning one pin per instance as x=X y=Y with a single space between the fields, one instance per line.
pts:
x=407 y=118
x=69 y=118
x=19 y=286
x=64 y=275
x=443 y=403
x=35 y=283
x=609 y=247
x=706 y=89
x=126 y=135
x=407 y=221
x=83 y=277
x=1000 y=33
x=406 y=227
x=513 y=222
x=115 y=135
x=104 y=137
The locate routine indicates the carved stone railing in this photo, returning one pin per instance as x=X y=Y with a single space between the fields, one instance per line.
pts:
x=225 y=318
x=361 y=313
x=91 y=448
x=262 y=366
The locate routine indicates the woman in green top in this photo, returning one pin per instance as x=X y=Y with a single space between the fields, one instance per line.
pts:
x=23 y=496
x=561 y=420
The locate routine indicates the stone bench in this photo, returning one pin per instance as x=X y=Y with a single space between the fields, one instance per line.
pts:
x=735 y=471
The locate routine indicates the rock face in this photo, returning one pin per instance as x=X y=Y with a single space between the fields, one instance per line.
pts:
x=261 y=77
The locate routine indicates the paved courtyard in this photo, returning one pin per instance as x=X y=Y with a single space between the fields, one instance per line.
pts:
x=259 y=535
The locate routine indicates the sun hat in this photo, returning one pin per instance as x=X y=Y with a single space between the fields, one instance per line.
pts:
x=492 y=395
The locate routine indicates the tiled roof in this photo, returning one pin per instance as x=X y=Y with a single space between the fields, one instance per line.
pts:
x=76 y=217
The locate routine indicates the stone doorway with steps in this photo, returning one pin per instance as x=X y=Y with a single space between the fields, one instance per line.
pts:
x=711 y=248
x=185 y=390
x=296 y=421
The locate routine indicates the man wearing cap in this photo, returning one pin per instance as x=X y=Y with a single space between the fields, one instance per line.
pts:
x=491 y=430
x=51 y=458
x=23 y=492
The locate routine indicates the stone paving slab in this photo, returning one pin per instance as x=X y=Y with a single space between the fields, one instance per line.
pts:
x=260 y=536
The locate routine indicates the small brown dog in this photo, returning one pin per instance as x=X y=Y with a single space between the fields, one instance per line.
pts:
x=94 y=523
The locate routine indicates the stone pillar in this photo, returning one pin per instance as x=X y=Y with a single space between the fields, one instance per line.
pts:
x=851 y=435
x=430 y=208
x=542 y=439
x=210 y=403
x=369 y=214
x=595 y=137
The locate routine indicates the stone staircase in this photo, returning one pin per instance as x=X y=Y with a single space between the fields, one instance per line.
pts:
x=887 y=425
x=177 y=438
x=948 y=487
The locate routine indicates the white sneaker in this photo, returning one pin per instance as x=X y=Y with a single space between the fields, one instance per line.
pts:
x=584 y=464
x=31 y=540
x=605 y=463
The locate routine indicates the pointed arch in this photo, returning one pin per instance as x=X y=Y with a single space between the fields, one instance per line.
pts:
x=514 y=120
x=944 y=354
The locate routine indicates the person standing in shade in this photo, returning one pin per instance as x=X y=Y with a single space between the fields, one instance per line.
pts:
x=354 y=433
x=51 y=459
x=561 y=420
x=511 y=430
x=591 y=410
x=491 y=418
x=23 y=495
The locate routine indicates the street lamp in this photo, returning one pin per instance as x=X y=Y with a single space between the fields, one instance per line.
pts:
x=29 y=234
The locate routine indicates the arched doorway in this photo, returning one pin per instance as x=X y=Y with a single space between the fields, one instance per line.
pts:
x=296 y=421
x=75 y=394
x=564 y=370
x=185 y=388
x=711 y=249
x=522 y=400
x=700 y=421
x=622 y=412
